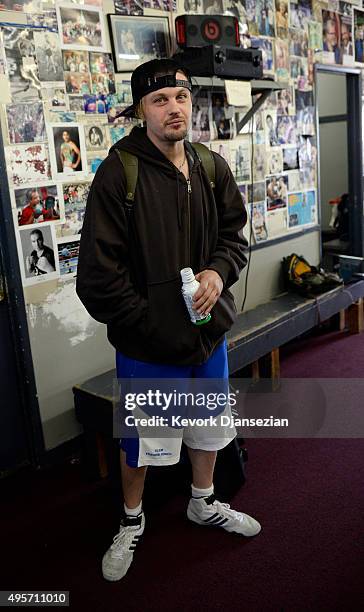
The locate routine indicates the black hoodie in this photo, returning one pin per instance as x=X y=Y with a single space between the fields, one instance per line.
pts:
x=129 y=270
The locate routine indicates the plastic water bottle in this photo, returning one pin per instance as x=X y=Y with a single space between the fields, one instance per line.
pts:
x=189 y=288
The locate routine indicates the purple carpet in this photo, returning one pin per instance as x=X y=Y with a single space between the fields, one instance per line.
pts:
x=308 y=495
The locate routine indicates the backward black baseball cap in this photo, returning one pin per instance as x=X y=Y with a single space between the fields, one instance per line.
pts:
x=154 y=75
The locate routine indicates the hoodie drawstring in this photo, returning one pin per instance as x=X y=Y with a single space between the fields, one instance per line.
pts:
x=204 y=203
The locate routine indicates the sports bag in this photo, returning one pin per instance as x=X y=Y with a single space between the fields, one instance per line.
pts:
x=305 y=279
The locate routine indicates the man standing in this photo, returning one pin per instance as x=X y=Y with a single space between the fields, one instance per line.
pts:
x=129 y=277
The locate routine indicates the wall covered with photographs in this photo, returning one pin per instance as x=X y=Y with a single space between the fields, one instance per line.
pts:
x=275 y=164
x=60 y=97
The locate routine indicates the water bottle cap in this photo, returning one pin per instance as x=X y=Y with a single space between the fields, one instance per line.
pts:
x=187 y=275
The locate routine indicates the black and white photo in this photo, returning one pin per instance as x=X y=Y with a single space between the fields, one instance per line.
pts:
x=22 y=68
x=38 y=254
x=49 y=56
x=129 y=7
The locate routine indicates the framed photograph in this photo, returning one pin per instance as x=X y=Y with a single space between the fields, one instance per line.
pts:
x=136 y=40
x=38 y=204
x=67 y=149
x=80 y=27
x=38 y=254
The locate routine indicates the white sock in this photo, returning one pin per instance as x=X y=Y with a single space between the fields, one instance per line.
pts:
x=133 y=511
x=202 y=492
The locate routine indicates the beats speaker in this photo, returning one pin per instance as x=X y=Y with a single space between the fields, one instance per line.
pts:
x=200 y=30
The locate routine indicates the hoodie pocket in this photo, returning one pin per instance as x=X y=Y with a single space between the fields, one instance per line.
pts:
x=170 y=330
x=223 y=316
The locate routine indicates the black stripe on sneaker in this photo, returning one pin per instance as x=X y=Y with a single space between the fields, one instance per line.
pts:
x=211 y=517
x=222 y=522
x=216 y=520
x=131 y=521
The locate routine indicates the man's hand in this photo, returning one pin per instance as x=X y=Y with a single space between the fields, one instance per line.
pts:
x=208 y=292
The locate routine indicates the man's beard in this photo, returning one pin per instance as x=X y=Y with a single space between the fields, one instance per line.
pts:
x=175 y=137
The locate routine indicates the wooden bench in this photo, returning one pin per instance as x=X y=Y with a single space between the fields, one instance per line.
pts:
x=257 y=333
x=265 y=328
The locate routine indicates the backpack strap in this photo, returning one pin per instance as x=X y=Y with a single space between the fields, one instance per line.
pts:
x=207 y=160
x=130 y=164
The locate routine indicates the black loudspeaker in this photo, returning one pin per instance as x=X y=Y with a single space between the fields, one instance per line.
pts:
x=223 y=61
x=200 y=30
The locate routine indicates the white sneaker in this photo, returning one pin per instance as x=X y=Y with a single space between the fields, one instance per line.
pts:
x=209 y=511
x=118 y=558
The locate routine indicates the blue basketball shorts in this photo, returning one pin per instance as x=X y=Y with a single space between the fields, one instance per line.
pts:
x=144 y=448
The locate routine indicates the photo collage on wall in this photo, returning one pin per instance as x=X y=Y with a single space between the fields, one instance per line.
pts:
x=275 y=165
x=275 y=161
x=60 y=122
x=67 y=92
